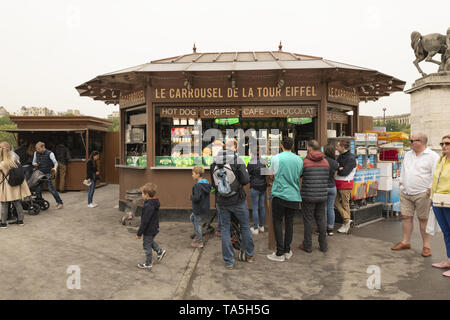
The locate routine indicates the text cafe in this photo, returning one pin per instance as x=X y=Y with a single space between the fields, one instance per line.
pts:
x=176 y=112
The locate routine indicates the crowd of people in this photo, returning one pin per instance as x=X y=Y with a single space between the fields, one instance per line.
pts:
x=314 y=186
x=27 y=158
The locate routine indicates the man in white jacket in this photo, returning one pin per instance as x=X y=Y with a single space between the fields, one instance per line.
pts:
x=416 y=177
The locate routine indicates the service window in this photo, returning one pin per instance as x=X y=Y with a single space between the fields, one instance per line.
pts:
x=136 y=136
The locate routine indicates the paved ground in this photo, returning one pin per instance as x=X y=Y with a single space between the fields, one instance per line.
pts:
x=35 y=258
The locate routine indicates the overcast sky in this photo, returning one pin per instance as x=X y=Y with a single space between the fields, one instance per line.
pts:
x=49 y=47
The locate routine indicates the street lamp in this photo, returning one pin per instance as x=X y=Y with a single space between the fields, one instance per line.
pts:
x=384 y=116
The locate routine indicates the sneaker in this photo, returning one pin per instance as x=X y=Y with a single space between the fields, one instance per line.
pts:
x=330 y=232
x=3 y=226
x=316 y=231
x=274 y=257
x=92 y=205
x=20 y=223
x=218 y=233
x=59 y=206
x=161 y=255
x=196 y=244
x=288 y=255
x=254 y=230
x=230 y=267
x=250 y=259
x=345 y=227
x=144 y=266
x=261 y=229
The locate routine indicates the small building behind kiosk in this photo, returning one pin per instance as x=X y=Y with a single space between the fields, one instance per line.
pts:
x=80 y=135
x=168 y=108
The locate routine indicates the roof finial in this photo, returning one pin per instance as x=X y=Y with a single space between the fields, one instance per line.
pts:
x=280 y=47
x=194 y=48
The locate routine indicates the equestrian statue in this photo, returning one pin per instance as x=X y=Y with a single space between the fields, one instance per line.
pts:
x=426 y=47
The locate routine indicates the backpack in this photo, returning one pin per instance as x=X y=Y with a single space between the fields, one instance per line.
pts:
x=226 y=181
x=15 y=176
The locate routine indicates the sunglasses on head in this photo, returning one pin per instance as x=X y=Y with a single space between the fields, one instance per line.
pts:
x=445 y=144
x=412 y=141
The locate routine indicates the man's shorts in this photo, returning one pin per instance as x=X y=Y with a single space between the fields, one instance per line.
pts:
x=418 y=203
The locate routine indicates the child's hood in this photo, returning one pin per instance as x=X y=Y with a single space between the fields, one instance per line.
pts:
x=204 y=185
x=154 y=202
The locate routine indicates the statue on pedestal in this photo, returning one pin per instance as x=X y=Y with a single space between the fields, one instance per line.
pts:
x=426 y=47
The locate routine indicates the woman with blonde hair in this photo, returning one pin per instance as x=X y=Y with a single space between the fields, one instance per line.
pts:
x=9 y=193
x=440 y=195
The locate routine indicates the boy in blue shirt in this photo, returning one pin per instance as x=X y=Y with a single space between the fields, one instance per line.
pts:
x=200 y=204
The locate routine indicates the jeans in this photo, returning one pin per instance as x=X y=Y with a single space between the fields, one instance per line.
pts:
x=51 y=188
x=240 y=211
x=219 y=219
x=149 y=244
x=27 y=170
x=5 y=206
x=91 y=191
x=329 y=208
x=278 y=213
x=443 y=218
x=316 y=210
x=258 y=207
x=196 y=220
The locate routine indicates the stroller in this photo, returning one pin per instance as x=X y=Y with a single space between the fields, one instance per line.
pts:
x=36 y=178
x=33 y=204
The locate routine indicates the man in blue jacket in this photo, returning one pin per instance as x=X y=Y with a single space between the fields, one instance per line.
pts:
x=45 y=161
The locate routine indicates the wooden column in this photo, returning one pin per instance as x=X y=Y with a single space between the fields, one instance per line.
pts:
x=355 y=119
x=322 y=114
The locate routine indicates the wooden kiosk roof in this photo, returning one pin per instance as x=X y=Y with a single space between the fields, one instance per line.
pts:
x=55 y=123
x=368 y=83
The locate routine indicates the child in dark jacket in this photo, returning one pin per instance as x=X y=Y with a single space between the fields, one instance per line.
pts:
x=200 y=204
x=149 y=225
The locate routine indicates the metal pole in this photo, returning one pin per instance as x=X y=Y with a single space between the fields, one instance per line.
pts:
x=384 y=116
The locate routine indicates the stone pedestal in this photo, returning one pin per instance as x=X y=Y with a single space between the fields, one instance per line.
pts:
x=430 y=107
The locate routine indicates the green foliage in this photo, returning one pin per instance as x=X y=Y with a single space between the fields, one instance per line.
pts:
x=393 y=126
x=5 y=123
x=115 y=126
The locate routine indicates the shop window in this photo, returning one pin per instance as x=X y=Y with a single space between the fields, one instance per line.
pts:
x=136 y=136
x=183 y=142
x=73 y=140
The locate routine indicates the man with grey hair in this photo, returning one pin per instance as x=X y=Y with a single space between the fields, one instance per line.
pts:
x=416 y=177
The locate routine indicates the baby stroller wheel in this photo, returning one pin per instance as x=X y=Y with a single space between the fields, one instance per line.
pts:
x=44 y=204
x=34 y=210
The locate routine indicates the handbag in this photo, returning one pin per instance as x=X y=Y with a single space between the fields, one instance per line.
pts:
x=441 y=199
x=86 y=182
x=432 y=224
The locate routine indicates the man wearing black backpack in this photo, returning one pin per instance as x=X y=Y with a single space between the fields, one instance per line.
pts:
x=229 y=175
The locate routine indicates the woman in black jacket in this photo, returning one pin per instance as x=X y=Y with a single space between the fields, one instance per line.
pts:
x=92 y=176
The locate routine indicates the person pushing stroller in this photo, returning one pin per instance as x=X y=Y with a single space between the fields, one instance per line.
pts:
x=45 y=161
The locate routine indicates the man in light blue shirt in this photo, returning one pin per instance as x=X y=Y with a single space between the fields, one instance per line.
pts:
x=45 y=161
x=287 y=169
